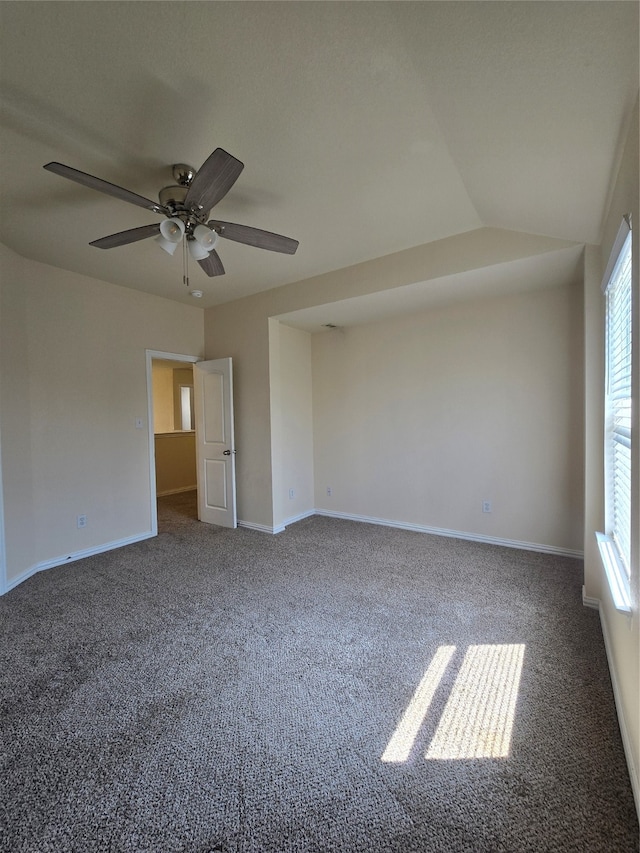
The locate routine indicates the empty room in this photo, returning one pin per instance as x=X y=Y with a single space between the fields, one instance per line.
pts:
x=319 y=442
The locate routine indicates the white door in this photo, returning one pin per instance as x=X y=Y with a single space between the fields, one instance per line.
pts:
x=215 y=451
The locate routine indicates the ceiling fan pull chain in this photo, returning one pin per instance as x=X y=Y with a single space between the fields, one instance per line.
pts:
x=185 y=264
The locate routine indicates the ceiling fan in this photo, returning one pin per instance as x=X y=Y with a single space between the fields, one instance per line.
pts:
x=186 y=206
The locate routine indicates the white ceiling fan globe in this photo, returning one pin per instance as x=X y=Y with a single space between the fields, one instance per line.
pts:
x=205 y=236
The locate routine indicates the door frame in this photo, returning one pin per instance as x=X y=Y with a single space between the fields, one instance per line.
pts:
x=152 y=354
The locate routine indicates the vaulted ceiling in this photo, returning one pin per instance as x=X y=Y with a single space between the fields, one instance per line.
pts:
x=365 y=128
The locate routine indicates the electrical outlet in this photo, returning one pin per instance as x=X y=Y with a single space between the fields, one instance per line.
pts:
x=292 y=494
x=486 y=506
x=81 y=521
x=329 y=491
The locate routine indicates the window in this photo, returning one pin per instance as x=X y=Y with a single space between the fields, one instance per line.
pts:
x=187 y=415
x=615 y=544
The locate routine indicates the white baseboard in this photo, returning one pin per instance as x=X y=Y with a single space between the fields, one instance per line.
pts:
x=624 y=731
x=456 y=534
x=588 y=601
x=278 y=528
x=110 y=546
x=274 y=529
x=76 y=555
x=418 y=528
x=176 y=491
x=292 y=519
x=262 y=528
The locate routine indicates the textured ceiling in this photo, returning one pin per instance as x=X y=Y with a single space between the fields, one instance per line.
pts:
x=365 y=128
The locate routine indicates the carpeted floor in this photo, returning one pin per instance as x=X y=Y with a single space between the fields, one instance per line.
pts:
x=218 y=690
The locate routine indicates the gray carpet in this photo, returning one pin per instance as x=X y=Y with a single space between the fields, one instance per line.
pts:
x=216 y=690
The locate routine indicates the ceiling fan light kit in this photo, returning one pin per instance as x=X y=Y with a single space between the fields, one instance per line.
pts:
x=172 y=229
x=186 y=205
x=205 y=236
x=169 y=246
x=171 y=232
x=197 y=252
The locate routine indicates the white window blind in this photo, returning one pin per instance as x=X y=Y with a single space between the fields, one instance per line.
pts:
x=616 y=545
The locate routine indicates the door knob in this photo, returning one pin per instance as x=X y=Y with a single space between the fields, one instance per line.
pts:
x=226 y=453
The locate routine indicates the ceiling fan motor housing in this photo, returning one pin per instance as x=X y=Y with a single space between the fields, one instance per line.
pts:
x=183 y=174
x=173 y=197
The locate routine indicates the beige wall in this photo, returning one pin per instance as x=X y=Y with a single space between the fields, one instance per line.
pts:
x=622 y=631
x=163 y=404
x=15 y=416
x=72 y=383
x=175 y=455
x=167 y=382
x=420 y=419
x=241 y=330
x=291 y=423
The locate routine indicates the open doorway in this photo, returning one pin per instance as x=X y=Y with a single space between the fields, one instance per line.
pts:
x=171 y=440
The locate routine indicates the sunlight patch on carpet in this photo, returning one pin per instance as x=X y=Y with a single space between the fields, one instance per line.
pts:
x=403 y=738
x=478 y=718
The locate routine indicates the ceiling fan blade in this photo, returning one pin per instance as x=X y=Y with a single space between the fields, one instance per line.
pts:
x=212 y=264
x=124 y=237
x=213 y=180
x=104 y=186
x=255 y=237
